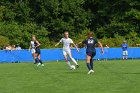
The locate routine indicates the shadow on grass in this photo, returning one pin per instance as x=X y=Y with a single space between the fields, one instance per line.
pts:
x=131 y=73
x=73 y=72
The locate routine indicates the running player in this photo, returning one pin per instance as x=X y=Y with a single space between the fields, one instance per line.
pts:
x=34 y=46
x=91 y=51
x=67 y=50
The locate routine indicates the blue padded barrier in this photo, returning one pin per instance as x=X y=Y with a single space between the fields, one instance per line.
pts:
x=56 y=54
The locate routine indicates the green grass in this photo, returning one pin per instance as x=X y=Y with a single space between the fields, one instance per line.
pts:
x=110 y=77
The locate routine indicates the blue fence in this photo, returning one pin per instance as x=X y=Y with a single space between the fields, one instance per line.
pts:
x=56 y=54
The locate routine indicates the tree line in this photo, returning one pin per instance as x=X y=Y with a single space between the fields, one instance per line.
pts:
x=112 y=21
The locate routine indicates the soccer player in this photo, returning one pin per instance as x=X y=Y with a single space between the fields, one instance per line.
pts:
x=91 y=51
x=124 y=49
x=34 y=46
x=67 y=50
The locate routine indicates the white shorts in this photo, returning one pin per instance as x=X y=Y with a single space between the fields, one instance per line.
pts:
x=66 y=51
x=125 y=53
x=33 y=51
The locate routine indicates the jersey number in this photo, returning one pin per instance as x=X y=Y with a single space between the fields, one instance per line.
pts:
x=90 y=41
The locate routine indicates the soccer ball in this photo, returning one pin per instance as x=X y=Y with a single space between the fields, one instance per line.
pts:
x=72 y=67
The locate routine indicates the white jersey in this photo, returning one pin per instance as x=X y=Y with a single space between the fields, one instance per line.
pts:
x=66 y=42
x=32 y=43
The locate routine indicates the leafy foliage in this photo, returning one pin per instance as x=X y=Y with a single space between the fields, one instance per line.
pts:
x=111 y=21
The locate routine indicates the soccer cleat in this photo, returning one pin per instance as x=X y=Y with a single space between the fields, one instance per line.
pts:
x=38 y=64
x=77 y=66
x=42 y=65
x=91 y=71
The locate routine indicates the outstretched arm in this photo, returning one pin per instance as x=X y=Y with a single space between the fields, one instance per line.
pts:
x=101 y=46
x=75 y=46
x=79 y=43
x=57 y=44
x=29 y=47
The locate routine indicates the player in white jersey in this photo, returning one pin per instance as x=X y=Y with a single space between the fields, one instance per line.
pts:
x=67 y=49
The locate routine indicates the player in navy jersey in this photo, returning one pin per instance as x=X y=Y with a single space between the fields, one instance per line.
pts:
x=124 y=48
x=34 y=46
x=90 y=50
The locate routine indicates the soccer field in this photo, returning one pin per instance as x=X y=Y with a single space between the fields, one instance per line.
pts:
x=114 y=76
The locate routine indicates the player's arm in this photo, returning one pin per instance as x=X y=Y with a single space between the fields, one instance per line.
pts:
x=75 y=46
x=83 y=42
x=30 y=47
x=38 y=44
x=101 y=46
x=57 y=44
x=80 y=43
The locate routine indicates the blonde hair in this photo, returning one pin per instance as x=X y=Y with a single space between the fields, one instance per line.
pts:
x=66 y=32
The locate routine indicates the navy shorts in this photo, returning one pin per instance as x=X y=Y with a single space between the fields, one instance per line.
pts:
x=37 y=50
x=91 y=53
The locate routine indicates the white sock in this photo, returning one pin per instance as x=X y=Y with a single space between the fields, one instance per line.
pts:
x=69 y=64
x=74 y=61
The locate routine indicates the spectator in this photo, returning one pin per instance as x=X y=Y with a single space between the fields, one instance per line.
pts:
x=124 y=49
x=13 y=47
x=18 y=47
x=8 y=47
x=106 y=52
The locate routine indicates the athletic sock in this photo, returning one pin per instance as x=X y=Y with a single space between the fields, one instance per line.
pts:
x=36 y=60
x=88 y=66
x=69 y=64
x=74 y=61
x=40 y=61
x=91 y=64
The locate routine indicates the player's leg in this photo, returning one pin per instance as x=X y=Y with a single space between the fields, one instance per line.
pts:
x=73 y=60
x=34 y=56
x=123 y=55
x=91 y=60
x=68 y=62
x=91 y=63
x=66 y=59
x=126 y=55
x=88 y=58
x=38 y=56
x=40 y=61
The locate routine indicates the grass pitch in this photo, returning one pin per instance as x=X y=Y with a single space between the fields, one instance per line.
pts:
x=114 y=76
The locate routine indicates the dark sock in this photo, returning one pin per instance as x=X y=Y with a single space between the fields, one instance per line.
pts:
x=40 y=61
x=88 y=66
x=36 y=60
x=91 y=64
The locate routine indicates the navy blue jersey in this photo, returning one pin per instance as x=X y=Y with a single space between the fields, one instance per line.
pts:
x=90 y=43
x=33 y=44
